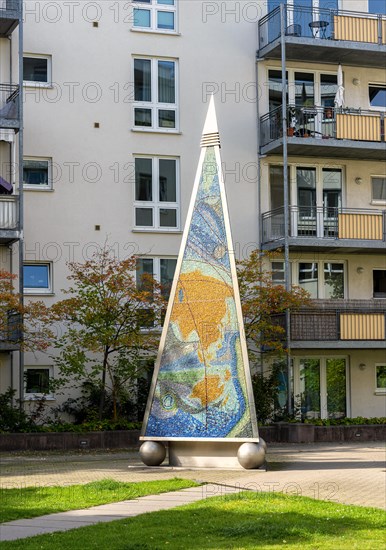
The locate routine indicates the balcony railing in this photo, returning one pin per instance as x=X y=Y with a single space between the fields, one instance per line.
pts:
x=9 y=102
x=9 y=212
x=10 y=335
x=325 y=223
x=328 y=321
x=323 y=123
x=323 y=24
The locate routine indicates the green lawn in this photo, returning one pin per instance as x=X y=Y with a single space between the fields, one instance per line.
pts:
x=248 y=520
x=30 y=502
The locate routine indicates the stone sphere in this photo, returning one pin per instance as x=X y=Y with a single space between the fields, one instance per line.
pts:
x=251 y=455
x=263 y=443
x=152 y=453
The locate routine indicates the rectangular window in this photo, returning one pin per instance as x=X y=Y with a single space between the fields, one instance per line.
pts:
x=278 y=272
x=378 y=188
x=37 y=278
x=377 y=96
x=37 y=173
x=162 y=270
x=377 y=6
x=36 y=70
x=155 y=94
x=322 y=279
x=379 y=283
x=155 y=15
x=156 y=194
x=380 y=378
x=37 y=381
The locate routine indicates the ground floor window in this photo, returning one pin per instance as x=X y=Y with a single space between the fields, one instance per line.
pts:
x=37 y=381
x=320 y=387
x=380 y=378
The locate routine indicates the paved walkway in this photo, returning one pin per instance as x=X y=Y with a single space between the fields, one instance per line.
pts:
x=345 y=473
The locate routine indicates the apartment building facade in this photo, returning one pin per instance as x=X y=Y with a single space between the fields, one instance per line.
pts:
x=114 y=100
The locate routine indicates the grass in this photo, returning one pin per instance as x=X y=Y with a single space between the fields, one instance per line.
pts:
x=30 y=502
x=244 y=521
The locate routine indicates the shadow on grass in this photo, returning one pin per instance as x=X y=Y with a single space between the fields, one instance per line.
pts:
x=244 y=521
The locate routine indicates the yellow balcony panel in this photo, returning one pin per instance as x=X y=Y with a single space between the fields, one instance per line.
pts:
x=360 y=226
x=356 y=29
x=362 y=326
x=358 y=127
x=383 y=31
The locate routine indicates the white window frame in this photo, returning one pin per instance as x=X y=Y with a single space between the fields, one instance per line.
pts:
x=378 y=391
x=37 y=83
x=31 y=187
x=31 y=396
x=376 y=201
x=154 y=105
x=38 y=291
x=375 y=85
x=321 y=279
x=154 y=8
x=156 y=205
x=323 y=381
x=157 y=276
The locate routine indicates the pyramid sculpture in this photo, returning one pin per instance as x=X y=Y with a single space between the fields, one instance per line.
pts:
x=201 y=388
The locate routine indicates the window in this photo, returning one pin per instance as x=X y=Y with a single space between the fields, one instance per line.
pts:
x=380 y=378
x=155 y=15
x=156 y=193
x=278 y=273
x=377 y=96
x=37 y=173
x=36 y=70
x=378 y=188
x=322 y=279
x=37 y=278
x=37 y=381
x=379 y=283
x=377 y=6
x=162 y=270
x=155 y=97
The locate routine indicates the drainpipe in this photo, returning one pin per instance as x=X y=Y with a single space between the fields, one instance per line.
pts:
x=21 y=218
x=283 y=24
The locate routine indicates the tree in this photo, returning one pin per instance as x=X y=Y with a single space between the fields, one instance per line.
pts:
x=264 y=304
x=25 y=324
x=103 y=341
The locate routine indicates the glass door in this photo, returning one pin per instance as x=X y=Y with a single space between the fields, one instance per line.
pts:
x=332 y=200
x=306 y=191
x=335 y=401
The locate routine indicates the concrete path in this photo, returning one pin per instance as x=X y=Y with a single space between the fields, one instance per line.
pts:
x=351 y=473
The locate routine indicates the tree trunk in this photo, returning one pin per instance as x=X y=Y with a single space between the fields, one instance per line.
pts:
x=103 y=385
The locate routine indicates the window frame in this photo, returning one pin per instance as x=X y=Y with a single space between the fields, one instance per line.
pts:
x=156 y=205
x=154 y=105
x=39 y=83
x=321 y=279
x=378 y=391
x=373 y=200
x=31 y=396
x=33 y=187
x=373 y=281
x=156 y=274
x=154 y=8
x=382 y=85
x=42 y=290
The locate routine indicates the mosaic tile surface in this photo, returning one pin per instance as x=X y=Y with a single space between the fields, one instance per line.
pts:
x=201 y=388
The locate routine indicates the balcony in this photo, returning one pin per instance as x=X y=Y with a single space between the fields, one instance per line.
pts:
x=338 y=324
x=9 y=106
x=10 y=335
x=332 y=229
x=325 y=132
x=10 y=14
x=9 y=219
x=327 y=35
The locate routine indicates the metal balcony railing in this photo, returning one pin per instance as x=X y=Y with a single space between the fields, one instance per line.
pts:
x=325 y=223
x=332 y=320
x=323 y=24
x=9 y=212
x=9 y=101
x=10 y=334
x=323 y=123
